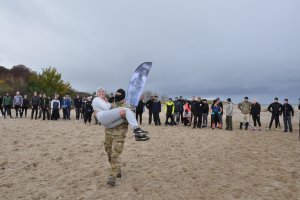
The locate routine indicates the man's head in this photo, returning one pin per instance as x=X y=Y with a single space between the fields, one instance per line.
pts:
x=286 y=101
x=176 y=98
x=193 y=98
x=120 y=95
x=170 y=99
x=229 y=100
x=17 y=93
x=155 y=98
x=246 y=98
x=276 y=99
x=34 y=93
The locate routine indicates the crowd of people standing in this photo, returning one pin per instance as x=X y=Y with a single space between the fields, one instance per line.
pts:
x=194 y=112
x=45 y=107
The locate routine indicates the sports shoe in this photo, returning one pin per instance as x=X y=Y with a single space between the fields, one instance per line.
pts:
x=111 y=181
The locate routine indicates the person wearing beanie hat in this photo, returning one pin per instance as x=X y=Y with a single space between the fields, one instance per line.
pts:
x=245 y=107
x=275 y=109
x=229 y=114
x=287 y=112
x=111 y=118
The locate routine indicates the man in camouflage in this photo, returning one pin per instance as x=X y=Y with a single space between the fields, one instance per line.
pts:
x=113 y=144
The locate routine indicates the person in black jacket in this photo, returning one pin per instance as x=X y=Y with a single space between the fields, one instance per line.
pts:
x=139 y=110
x=177 y=110
x=45 y=107
x=78 y=106
x=35 y=102
x=287 y=112
x=88 y=110
x=255 y=112
x=25 y=106
x=275 y=109
x=192 y=106
x=198 y=113
x=149 y=105
x=156 y=109
x=182 y=102
x=205 y=112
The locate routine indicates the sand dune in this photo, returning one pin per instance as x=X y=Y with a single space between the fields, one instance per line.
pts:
x=66 y=160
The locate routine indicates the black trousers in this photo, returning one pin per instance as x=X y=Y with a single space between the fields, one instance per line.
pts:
x=7 y=110
x=18 y=110
x=55 y=114
x=77 y=111
x=88 y=116
x=36 y=110
x=45 y=112
x=276 y=117
x=169 y=116
x=256 y=120
x=156 y=118
x=198 y=119
x=137 y=116
x=24 y=109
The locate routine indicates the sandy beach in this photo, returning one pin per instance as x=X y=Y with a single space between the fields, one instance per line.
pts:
x=64 y=160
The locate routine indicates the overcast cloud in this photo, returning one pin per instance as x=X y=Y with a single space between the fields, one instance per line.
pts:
x=206 y=48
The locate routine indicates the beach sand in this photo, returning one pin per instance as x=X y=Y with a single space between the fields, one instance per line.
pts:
x=66 y=160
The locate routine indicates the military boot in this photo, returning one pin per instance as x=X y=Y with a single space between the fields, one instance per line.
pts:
x=111 y=181
x=119 y=175
x=247 y=124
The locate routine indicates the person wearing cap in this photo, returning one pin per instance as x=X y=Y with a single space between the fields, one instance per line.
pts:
x=245 y=107
x=287 y=112
x=255 y=112
x=111 y=118
x=275 y=109
x=229 y=114
x=169 y=111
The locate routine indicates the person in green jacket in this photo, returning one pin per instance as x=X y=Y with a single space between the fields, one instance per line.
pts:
x=7 y=103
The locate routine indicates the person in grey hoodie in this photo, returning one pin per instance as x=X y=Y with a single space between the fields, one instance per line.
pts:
x=245 y=107
x=18 y=103
x=229 y=114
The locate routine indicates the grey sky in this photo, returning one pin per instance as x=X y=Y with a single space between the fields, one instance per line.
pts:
x=206 y=48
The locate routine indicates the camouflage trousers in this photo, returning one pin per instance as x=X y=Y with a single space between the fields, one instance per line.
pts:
x=113 y=144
